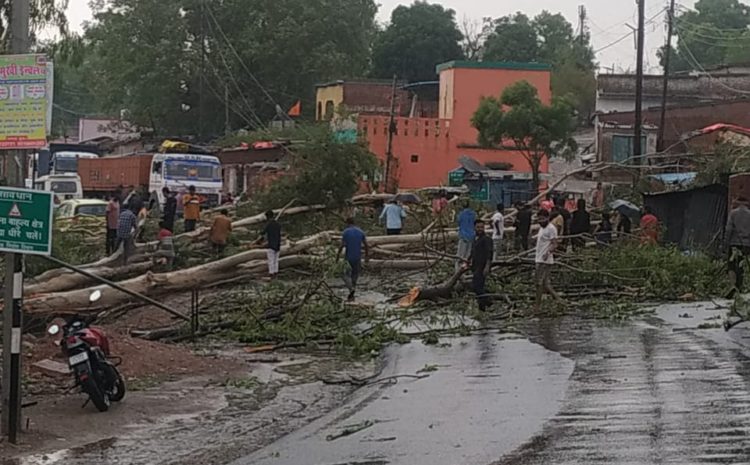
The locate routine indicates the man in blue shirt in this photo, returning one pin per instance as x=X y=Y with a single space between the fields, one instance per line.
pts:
x=394 y=215
x=125 y=233
x=352 y=239
x=466 y=234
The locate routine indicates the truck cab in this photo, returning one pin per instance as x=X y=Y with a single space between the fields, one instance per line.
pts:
x=65 y=162
x=179 y=171
x=64 y=186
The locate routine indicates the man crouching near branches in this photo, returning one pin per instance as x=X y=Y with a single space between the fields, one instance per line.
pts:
x=545 y=247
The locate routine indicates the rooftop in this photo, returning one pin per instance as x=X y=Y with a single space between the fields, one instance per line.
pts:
x=370 y=82
x=510 y=65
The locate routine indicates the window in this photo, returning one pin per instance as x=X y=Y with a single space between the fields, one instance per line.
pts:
x=415 y=158
x=91 y=210
x=320 y=111
x=157 y=167
x=622 y=148
x=192 y=170
x=64 y=187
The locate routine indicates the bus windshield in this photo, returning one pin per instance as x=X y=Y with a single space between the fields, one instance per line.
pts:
x=192 y=170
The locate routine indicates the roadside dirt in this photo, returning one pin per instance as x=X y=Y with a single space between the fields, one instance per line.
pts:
x=191 y=420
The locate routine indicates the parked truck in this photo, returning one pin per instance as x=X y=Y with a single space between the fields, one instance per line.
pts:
x=177 y=171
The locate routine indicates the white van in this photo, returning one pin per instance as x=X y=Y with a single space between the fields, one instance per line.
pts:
x=65 y=186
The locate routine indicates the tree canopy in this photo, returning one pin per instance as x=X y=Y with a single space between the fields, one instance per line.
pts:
x=535 y=129
x=714 y=33
x=171 y=63
x=548 y=38
x=418 y=38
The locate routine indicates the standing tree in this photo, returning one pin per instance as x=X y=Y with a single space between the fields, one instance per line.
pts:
x=43 y=14
x=173 y=63
x=549 y=38
x=535 y=129
x=514 y=39
x=715 y=33
x=419 y=38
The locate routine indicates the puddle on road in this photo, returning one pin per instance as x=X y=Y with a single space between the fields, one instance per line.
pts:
x=488 y=393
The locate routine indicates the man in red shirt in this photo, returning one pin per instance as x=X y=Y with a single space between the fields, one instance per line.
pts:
x=649 y=227
x=113 y=217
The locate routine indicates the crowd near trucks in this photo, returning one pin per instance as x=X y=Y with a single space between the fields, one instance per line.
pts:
x=78 y=171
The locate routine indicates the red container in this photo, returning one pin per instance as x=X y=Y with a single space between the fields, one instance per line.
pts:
x=106 y=174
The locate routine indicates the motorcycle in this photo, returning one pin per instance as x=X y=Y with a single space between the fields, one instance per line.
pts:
x=88 y=353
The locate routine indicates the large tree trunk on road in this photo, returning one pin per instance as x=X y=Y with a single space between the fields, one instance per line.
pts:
x=159 y=284
x=73 y=280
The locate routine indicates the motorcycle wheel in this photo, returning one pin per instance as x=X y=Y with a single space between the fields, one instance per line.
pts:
x=100 y=398
x=118 y=388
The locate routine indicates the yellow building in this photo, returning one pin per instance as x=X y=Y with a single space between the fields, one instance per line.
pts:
x=357 y=97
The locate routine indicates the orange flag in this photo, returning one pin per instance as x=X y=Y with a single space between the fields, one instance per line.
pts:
x=296 y=109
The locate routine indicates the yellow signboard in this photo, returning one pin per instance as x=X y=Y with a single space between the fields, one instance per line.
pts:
x=23 y=101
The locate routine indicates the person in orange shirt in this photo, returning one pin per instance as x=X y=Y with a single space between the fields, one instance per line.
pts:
x=649 y=227
x=192 y=209
x=220 y=232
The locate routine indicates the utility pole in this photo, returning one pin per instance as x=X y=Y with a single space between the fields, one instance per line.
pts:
x=391 y=133
x=227 y=127
x=637 y=149
x=582 y=24
x=202 y=73
x=665 y=89
x=10 y=423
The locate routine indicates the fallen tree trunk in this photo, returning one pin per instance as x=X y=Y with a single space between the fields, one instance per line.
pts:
x=406 y=239
x=104 y=262
x=159 y=284
x=73 y=280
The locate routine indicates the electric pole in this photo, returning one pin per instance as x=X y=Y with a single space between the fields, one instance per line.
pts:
x=227 y=126
x=15 y=162
x=582 y=24
x=637 y=149
x=665 y=88
x=391 y=133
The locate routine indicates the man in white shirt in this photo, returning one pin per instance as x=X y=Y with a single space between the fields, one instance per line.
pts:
x=498 y=231
x=393 y=215
x=546 y=244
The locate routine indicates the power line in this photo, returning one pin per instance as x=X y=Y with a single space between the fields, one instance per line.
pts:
x=239 y=58
x=236 y=84
x=697 y=64
x=630 y=34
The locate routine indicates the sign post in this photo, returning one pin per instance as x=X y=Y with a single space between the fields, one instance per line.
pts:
x=25 y=228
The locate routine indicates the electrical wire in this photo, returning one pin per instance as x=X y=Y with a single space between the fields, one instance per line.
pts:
x=230 y=73
x=700 y=67
x=239 y=58
x=630 y=34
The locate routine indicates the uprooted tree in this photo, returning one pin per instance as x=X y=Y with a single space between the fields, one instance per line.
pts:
x=520 y=118
x=323 y=171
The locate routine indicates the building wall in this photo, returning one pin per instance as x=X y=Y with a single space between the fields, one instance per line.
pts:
x=610 y=104
x=425 y=150
x=682 y=120
x=472 y=84
x=333 y=93
x=375 y=98
x=446 y=94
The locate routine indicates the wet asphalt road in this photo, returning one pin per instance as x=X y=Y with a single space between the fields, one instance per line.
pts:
x=578 y=392
x=566 y=392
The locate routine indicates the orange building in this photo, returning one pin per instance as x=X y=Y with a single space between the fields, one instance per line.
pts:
x=425 y=150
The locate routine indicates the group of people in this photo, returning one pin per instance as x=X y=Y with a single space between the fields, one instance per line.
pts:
x=476 y=250
x=126 y=215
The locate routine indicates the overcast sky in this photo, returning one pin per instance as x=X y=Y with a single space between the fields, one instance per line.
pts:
x=607 y=21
